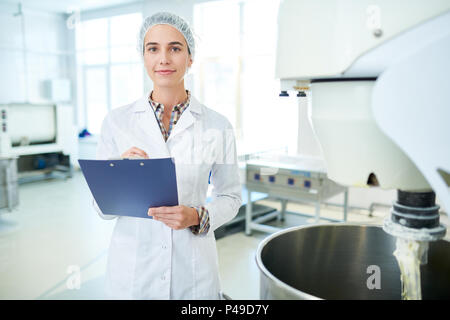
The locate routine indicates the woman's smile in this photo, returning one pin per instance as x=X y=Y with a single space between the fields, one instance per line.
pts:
x=165 y=72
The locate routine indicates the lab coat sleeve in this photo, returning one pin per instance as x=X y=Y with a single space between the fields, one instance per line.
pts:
x=106 y=149
x=226 y=194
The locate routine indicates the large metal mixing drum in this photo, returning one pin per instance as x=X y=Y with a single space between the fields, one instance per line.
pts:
x=333 y=261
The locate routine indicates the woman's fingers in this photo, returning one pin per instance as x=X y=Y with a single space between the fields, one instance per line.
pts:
x=139 y=151
x=135 y=152
x=164 y=210
x=171 y=219
x=176 y=217
x=166 y=216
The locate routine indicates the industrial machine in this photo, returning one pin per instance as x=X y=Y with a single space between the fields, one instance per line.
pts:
x=41 y=137
x=289 y=178
x=376 y=76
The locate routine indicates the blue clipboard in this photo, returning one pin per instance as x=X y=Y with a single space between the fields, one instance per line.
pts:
x=129 y=187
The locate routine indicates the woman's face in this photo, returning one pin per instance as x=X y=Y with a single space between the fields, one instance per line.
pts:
x=166 y=56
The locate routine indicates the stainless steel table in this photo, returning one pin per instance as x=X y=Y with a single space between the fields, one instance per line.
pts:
x=289 y=178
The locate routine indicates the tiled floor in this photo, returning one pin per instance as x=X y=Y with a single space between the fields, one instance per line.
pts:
x=55 y=231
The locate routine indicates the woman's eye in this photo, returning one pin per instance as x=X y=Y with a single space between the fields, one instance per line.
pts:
x=152 y=49
x=176 y=49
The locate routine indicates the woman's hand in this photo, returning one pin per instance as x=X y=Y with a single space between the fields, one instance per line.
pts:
x=176 y=217
x=136 y=153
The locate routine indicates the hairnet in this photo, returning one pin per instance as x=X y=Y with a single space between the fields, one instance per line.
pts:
x=170 y=19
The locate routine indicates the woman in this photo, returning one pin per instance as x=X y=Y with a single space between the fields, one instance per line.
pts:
x=173 y=255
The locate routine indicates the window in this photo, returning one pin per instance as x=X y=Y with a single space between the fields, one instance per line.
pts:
x=235 y=71
x=110 y=72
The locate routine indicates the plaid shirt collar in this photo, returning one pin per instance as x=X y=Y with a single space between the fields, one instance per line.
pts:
x=158 y=109
x=179 y=108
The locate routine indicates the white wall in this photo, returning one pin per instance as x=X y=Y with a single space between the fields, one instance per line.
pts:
x=33 y=49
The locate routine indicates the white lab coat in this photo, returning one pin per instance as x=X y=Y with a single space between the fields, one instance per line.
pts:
x=147 y=259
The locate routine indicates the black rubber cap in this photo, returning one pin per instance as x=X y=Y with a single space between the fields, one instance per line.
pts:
x=416 y=209
x=416 y=223
x=416 y=199
x=423 y=212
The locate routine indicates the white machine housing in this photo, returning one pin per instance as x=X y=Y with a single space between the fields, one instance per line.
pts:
x=29 y=129
x=377 y=72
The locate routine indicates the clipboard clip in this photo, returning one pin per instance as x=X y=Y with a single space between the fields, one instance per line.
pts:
x=141 y=164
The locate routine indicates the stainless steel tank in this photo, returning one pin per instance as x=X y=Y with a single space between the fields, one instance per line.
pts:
x=332 y=261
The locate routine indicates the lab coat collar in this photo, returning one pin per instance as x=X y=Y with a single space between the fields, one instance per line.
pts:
x=189 y=116
x=144 y=105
